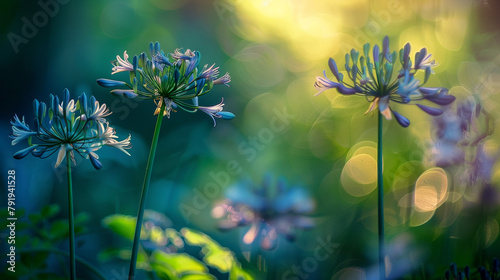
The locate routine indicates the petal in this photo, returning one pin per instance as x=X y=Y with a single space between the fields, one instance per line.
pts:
x=404 y=122
x=345 y=90
x=385 y=47
x=251 y=234
x=226 y=115
x=430 y=110
x=376 y=53
x=386 y=113
x=383 y=103
x=333 y=68
x=95 y=162
x=373 y=106
x=61 y=155
x=442 y=100
x=110 y=83
x=124 y=93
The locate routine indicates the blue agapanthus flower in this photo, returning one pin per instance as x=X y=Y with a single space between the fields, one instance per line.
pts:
x=174 y=80
x=270 y=209
x=375 y=75
x=68 y=125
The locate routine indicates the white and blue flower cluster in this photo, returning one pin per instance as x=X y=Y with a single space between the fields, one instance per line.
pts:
x=172 y=81
x=66 y=127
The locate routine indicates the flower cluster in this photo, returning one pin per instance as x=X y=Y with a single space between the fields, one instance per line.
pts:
x=460 y=137
x=268 y=209
x=67 y=126
x=172 y=81
x=377 y=78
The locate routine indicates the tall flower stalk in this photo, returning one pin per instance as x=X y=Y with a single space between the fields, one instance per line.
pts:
x=172 y=81
x=68 y=128
x=375 y=76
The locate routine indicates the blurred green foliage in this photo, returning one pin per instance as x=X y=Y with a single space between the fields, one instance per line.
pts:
x=164 y=256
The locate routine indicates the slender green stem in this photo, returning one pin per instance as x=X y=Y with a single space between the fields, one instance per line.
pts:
x=380 y=187
x=145 y=187
x=72 y=263
x=81 y=261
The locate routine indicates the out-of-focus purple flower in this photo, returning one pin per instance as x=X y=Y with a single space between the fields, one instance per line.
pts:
x=460 y=136
x=269 y=209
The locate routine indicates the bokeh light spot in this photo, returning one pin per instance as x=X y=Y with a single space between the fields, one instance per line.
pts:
x=431 y=190
x=491 y=231
x=350 y=273
x=420 y=218
x=359 y=175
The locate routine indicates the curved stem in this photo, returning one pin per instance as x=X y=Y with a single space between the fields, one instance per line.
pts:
x=145 y=187
x=62 y=253
x=72 y=263
x=380 y=187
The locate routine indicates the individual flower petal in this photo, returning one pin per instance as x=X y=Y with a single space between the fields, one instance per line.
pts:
x=216 y=112
x=20 y=130
x=404 y=122
x=323 y=84
x=98 y=112
x=376 y=53
x=110 y=83
x=128 y=93
x=61 y=155
x=121 y=145
x=224 y=80
x=24 y=152
x=334 y=69
x=430 y=110
x=442 y=100
x=122 y=65
x=94 y=160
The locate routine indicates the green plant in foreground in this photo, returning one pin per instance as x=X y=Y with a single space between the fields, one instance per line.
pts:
x=39 y=237
x=162 y=251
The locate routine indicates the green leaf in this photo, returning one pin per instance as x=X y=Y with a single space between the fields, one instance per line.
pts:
x=35 y=217
x=237 y=273
x=82 y=218
x=201 y=276
x=221 y=260
x=215 y=255
x=59 y=229
x=121 y=225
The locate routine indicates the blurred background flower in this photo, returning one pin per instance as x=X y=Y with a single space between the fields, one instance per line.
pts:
x=270 y=209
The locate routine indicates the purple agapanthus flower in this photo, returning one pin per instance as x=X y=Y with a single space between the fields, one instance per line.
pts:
x=269 y=209
x=374 y=76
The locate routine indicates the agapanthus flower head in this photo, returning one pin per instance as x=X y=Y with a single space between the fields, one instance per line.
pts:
x=382 y=76
x=270 y=209
x=173 y=80
x=67 y=126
